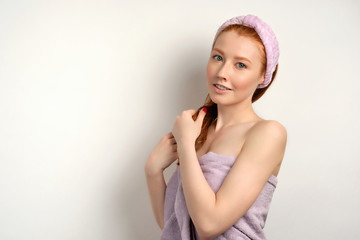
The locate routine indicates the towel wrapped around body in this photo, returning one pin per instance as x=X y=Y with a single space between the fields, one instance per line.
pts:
x=215 y=168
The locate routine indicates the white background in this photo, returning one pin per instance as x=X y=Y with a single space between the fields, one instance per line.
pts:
x=87 y=88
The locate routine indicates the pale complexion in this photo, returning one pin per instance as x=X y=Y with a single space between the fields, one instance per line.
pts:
x=240 y=75
x=260 y=148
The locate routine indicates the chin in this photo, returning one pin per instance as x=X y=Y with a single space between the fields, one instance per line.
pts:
x=216 y=100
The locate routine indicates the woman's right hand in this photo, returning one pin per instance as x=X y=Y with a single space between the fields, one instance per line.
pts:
x=162 y=156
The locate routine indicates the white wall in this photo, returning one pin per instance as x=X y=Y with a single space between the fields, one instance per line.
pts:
x=87 y=88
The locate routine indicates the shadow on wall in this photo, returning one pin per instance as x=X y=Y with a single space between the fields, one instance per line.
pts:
x=187 y=90
x=135 y=209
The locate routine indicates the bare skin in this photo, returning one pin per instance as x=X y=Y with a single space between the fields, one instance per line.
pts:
x=163 y=154
x=260 y=156
x=229 y=141
x=258 y=144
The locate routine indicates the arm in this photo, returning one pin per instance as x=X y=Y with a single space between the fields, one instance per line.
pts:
x=212 y=213
x=156 y=187
x=160 y=158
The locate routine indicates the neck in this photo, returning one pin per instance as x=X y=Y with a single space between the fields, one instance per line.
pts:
x=240 y=113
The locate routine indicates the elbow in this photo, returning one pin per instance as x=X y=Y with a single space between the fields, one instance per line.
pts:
x=161 y=227
x=206 y=235
x=160 y=223
x=207 y=231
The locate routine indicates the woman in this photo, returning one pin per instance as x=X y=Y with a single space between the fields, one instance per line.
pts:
x=228 y=156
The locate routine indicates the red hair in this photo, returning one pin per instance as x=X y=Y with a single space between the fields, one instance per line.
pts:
x=211 y=113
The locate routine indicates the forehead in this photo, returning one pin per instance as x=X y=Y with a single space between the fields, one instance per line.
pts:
x=232 y=44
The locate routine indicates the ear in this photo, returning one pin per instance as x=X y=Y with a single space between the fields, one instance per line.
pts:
x=262 y=79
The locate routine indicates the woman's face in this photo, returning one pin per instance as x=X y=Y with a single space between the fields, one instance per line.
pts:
x=235 y=63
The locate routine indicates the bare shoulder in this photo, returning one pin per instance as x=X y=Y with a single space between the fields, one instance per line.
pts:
x=268 y=137
x=268 y=128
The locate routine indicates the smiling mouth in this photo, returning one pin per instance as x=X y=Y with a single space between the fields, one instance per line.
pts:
x=221 y=87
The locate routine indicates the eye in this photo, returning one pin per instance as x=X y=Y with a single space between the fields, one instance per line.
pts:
x=215 y=57
x=241 y=65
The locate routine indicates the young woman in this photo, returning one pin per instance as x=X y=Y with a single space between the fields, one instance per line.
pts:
x=228 y=156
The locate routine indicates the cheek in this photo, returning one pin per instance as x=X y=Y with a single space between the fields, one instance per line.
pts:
x=243 y=83
x=210 y=71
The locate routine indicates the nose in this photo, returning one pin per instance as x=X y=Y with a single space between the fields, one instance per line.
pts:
x=223 y=71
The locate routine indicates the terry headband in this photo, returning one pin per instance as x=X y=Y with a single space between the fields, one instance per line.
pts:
x=267 y=37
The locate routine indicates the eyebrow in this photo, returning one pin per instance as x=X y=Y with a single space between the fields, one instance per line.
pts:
x=236 y=57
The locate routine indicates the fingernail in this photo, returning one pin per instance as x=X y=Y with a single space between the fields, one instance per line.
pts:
x=204 y=109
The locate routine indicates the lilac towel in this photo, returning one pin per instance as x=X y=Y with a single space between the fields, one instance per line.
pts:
x=215 y=168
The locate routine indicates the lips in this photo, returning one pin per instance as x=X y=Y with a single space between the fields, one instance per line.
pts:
x=222 y=86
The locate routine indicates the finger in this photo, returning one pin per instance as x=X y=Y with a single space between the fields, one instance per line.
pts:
x=201 y=116
x=191 y=111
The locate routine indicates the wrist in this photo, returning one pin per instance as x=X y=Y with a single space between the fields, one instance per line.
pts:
x=184 y=147
x=185 y=144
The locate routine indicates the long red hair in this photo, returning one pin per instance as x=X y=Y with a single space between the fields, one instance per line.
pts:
x=211 y=113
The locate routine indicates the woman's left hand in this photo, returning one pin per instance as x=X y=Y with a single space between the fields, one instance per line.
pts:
x=185 y=129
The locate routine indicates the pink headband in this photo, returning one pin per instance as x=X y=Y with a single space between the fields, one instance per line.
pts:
x=268 y=39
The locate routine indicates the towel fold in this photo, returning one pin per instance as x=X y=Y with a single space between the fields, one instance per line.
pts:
x=215 y=168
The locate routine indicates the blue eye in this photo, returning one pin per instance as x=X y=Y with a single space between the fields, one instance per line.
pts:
x=242 y=65
x=217 y=56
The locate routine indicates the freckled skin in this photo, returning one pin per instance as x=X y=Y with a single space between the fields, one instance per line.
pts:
x=239 y=75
